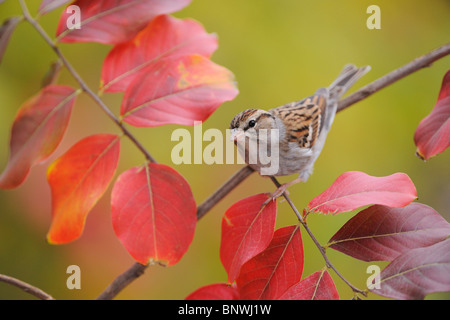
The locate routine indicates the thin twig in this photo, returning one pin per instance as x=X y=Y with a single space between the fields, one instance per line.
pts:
x=82 y=83
x=122 y=281
x=38 y=293
x=415 y=65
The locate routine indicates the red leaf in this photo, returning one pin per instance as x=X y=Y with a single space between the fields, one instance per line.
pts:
x=432 y=136
x=382 y=233
x=49 y=5
x=153 y=213
x=216 y=291
x=247 y=229
x=164 y=37
x=113 y=21
x=6 y=31
x=354 y=189
x=417 y=273
x=317 y=286
x=77 y=180
x=269 y=274
x=37 y=130
x=177 y=91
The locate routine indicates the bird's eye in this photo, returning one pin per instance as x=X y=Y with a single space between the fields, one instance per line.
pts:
x=251 y=123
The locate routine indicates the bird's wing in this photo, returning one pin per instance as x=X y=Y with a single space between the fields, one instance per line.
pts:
x=303 y=119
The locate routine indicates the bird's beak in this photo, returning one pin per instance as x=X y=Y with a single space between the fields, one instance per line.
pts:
x=236 y=134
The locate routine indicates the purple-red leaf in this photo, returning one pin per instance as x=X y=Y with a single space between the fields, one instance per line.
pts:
x=164 y=37
x=417 y=273
x=177 y=91
x=49 y=5
x=153 y=213
x=354 y=189
x=77 y=180
x=382 y=233
x=216 y=291
x=317 y=286
x=432 y=136
x=6 y=30
x=247 y=229
x=113 y=21
x=37 y=130
x=270 y=273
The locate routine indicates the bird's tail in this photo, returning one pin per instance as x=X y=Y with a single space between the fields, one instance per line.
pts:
x=348 y=76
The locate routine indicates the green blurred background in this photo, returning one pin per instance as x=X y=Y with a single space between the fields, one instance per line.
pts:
x=279 y=51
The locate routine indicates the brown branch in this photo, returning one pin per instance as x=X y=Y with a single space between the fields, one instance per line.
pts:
x=226 y=188
x=26 y=287
x=122 y=281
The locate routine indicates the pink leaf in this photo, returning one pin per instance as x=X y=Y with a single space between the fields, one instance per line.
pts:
x=354 y=189
x=317 y=286
x=177 y=91
x=164 y=37
x=432 y=136
x=216 y=291
x=247 y=229
x=113 y=21
x=269 y=274
x=382 y=233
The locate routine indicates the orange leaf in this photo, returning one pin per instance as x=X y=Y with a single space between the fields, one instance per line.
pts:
x=177 y=91
x=77 y=180
x=37 y=130
x=164 y=37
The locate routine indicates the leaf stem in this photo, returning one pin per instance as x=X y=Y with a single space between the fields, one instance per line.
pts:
x=82 y=83
x=26 y=287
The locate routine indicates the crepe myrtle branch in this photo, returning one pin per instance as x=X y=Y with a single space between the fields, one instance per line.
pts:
x=424 y=61
x=137 y=269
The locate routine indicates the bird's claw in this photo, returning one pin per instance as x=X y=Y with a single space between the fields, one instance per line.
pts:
x=279 y=192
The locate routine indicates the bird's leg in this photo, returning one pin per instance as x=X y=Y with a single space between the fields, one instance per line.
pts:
x=282 y=189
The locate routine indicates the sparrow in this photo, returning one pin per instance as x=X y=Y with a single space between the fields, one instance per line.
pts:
x=296 y=131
